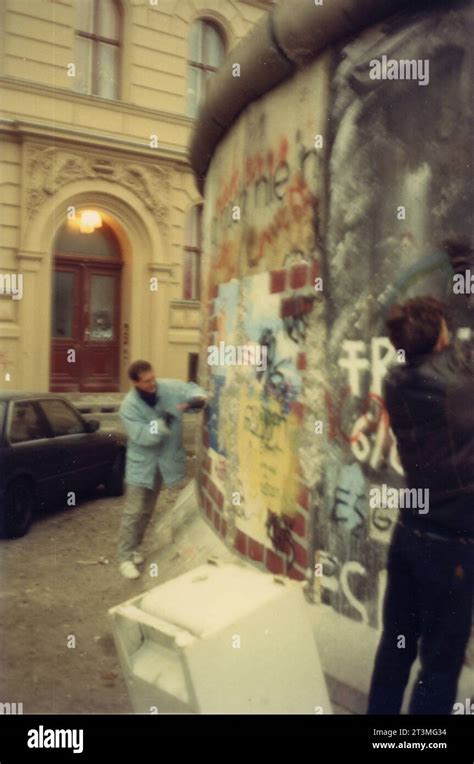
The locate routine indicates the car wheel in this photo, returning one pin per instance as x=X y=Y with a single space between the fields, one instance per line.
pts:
x=19 y=509
x=114 y=480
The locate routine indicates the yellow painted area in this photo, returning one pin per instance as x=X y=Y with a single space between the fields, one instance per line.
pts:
x=267 y=450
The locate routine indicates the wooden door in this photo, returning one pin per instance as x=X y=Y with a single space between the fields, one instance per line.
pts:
x=86 y=326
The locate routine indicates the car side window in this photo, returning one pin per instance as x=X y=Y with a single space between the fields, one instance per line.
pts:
x=62 y=418
x=25 y=423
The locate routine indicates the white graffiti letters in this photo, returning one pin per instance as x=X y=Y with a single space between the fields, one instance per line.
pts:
x=382 y=353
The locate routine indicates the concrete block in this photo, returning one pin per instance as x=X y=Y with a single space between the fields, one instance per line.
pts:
x=220 y=639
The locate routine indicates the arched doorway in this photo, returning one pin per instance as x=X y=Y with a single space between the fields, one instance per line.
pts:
x=85 y=353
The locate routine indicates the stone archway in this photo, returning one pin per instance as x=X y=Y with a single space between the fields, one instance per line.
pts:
x=141 y=241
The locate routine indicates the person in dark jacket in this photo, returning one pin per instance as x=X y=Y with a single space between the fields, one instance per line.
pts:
x=429 y=597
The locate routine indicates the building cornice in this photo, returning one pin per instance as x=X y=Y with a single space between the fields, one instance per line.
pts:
x=117 y=106
x=45 y=132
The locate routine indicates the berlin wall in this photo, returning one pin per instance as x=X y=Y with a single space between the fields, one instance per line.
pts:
x=326 y=200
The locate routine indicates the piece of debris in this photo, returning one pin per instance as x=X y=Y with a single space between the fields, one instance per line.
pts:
x=100 y=561
x=109 y=675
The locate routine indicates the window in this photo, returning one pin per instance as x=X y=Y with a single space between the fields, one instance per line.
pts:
x=25 y=423
x=62 y=418
x=63 y=304
x=206 y=53
x=97 y=47
x=100 y=243
x=192 y=254
x=193 y=360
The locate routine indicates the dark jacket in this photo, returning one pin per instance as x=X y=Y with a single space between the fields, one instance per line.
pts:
x=430 y=401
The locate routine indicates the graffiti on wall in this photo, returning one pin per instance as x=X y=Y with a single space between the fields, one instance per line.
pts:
x=262 y=213
x=264 y=205
x=271 y=182
x=265 y=432
x=266 y=441
x=376 y=258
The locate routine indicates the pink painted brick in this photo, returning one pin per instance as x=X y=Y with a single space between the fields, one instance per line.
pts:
x=301 y=361
x=217 y=521
x=277 y=281
x=298 y=276
x=240 y=542
x=301 y=555
x=298 y=409
x=304 y=497
x=299 y=525
x=256 y=550
x=273 y=562
x=295 y=573
x=315 y=271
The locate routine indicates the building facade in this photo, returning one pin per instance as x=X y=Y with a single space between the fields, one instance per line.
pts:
x=100 y=215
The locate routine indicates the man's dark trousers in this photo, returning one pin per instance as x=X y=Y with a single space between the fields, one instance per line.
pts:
x=429 y=598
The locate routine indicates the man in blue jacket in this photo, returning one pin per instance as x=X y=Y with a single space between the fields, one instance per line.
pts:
x=152 y=414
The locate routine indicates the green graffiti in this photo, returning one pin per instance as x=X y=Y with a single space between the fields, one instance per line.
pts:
x=262 y=424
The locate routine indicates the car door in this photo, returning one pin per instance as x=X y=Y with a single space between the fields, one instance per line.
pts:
x=82 y=452
x=31 y=451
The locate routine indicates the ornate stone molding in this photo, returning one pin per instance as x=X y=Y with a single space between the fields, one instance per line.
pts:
x=164 y=271
x=48 y=169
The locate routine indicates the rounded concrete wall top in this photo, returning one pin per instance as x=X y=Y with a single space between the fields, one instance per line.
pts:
x=291 y=34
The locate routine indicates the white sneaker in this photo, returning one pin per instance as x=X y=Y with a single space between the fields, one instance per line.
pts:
x=138 y=558
x=128 y=569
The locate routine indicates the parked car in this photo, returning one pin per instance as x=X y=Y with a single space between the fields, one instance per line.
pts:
x=49 y=454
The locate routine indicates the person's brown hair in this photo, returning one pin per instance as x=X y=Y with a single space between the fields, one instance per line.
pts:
x=414 y=326
x=137 y=368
